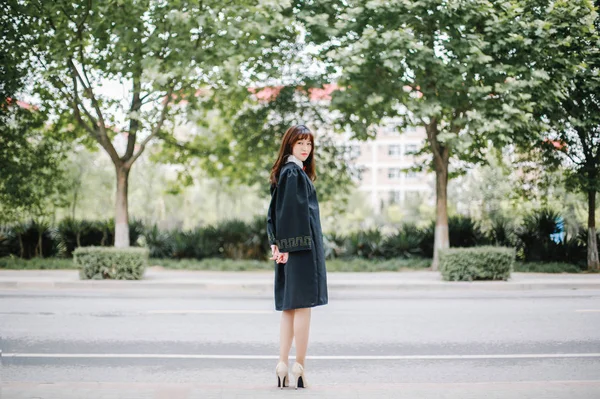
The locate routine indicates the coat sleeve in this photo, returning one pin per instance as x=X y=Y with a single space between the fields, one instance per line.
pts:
x=292 y=221
x=271 y=216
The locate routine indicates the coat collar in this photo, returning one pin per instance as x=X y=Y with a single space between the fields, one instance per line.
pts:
x=295 y=160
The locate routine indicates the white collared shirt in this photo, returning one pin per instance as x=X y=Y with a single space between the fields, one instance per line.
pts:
x=292 y=158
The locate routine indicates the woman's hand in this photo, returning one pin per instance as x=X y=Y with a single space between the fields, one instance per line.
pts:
x=274 y=252
x=279 y=257
x=283 y=257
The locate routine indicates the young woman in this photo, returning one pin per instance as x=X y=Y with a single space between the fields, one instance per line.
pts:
x=294 y=231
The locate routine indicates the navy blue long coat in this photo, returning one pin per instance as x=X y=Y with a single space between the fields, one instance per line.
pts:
x=293 y=224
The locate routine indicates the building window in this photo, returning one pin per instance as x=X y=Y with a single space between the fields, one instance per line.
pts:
x=411 y=174
x=411 y=148
x=394 y=151
x=395 y=197
x=393 y=173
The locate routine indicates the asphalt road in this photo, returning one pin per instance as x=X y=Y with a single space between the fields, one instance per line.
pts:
x=169 y=344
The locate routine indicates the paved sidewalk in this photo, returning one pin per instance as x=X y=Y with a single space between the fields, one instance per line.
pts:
x=157 y=277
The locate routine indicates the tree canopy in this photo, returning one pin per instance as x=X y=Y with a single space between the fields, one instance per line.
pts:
x=130 y=68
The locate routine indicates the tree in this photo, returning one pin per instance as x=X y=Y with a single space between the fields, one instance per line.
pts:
x=241 y=143
x=31 y=161
x=169 y=58
x=573 y=112
x=31 y=151
x=435 y=63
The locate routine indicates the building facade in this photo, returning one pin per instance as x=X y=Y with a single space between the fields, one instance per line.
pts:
x=383 y=167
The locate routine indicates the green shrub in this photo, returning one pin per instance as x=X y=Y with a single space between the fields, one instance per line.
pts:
x=211 y=243
x=32 y=239
x=535 y=243
x=403 y=244
x=136 y=230
x=364 y=244
x=258 y=245
x=330 y=249
x=480 y=263
x=232 y=239
x=185 y=244
x=159 y=243
x=235 y=236
x=335 y=245
x=583 y=235
x=464 y=232
x=9 y=245
x=200 y=243
x=81 y=233
x=502 y=233
x=571 y=250
x=111 y=263
x=427 y=240
x=74 y=233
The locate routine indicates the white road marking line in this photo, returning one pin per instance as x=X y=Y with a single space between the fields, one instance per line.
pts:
x=587 y=310
x=210 y=311
x=270 y=357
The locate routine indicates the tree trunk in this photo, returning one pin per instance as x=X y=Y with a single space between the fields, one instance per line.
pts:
x=442 y=238
x=441 y=158
x=40 y=251
x=21 y=245
x=75 y=195
x=592 y=244
x=121 y=211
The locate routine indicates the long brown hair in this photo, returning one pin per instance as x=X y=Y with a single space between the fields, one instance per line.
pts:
x=291 y=136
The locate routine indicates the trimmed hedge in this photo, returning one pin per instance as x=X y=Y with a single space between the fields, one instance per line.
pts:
x=99 y=263
x=479 y=263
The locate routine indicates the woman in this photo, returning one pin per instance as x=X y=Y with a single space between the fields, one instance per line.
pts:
x=294 y=231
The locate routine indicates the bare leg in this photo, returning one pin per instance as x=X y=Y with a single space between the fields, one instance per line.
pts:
x=286 y=334
x=301 y=330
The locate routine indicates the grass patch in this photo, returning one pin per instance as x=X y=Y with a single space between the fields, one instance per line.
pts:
x=551 y=267
x=14 y=263
x=365 y=265
x=333 y=265
x=225 y=265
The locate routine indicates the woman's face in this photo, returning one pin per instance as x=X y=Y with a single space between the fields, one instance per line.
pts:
x=302 y=149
